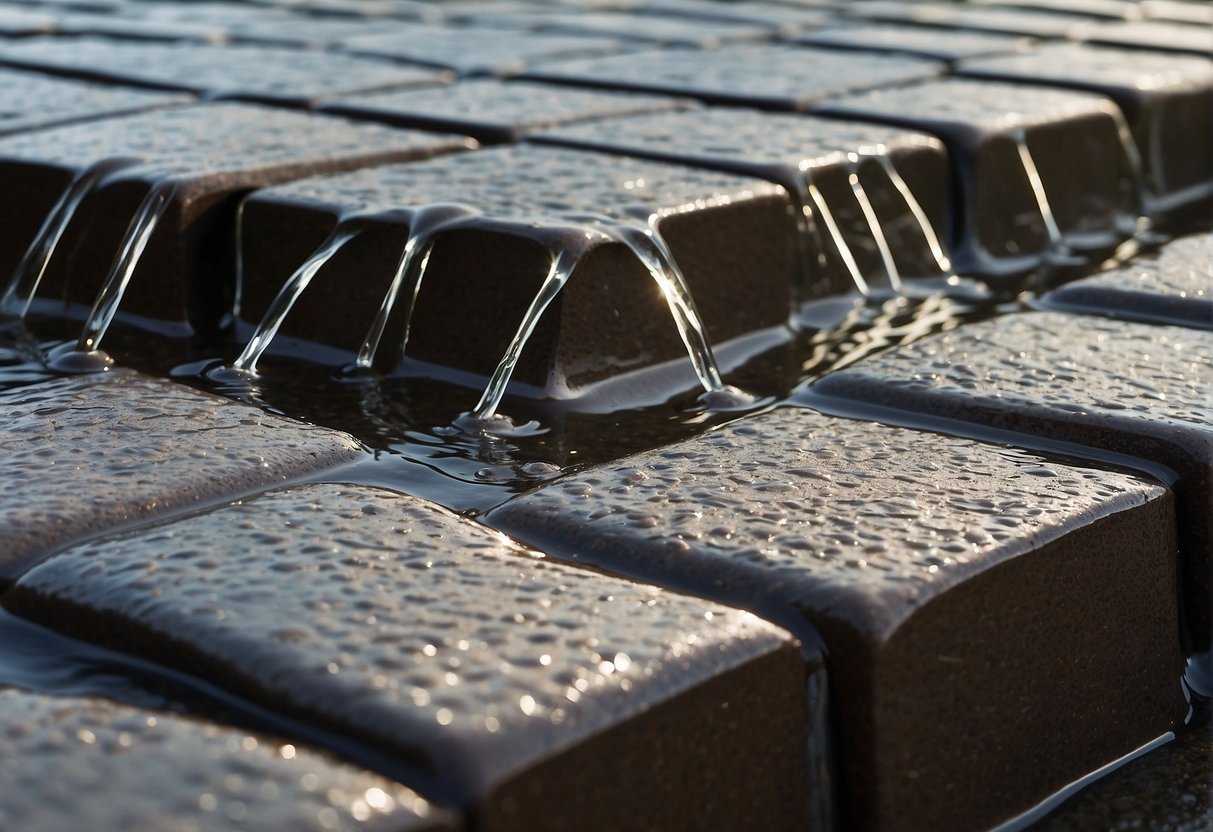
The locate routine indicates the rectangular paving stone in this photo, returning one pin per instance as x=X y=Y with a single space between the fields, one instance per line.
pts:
x=793 y=150
x=651 y=29
x=1074 y=145
x=1167 y=101
x=1157 y=35
x=29 y=101
x=493 y=112
x=86 y=454
x=1144 y=391
x=789 y=19
x=1173 y=285
x=84 y=763
x=274 y=75
x=953 y=16
x=1105 y=9
x=540 y=696
x=766 y=76
x=996 y=625
x=733 y=237
x=145 y=26
x=1178 y=11
x=214 y=154
x=939 y=45
x=20 y=23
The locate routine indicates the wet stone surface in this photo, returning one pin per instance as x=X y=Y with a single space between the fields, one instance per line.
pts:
x=772 y=77
x=1128 y=388
x=1150 y=34
x=608 y=318
x=543 y=695
x=18 y=22
x=30 y=102
x=1035 y=24
x=1173 y=285
x=493 y=112
x=1177 y=11
x=916 y=557
x=1074 y=145
x=86 y=454
x=290 y=77
x=650 y=29
x=214 y=153
x=926 y=43
x=91 y=764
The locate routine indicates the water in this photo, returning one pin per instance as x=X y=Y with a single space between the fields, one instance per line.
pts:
x=1059 y=253
x=822 y=210
x=920 y=216
x=869 y=214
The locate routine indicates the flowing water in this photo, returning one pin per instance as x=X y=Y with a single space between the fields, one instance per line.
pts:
x=869 y=214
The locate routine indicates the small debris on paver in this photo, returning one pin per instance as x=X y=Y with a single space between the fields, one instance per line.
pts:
x=29 y=101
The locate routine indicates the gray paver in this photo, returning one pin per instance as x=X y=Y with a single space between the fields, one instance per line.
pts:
x=77 y=763
x=1106 y=9
x=494 y=112
x=1173 y=285
x=85 y=454
x=29 y=101
x=1152 y=34
x=1075 y=146
x=1177 y=12
x=1134 y=389
x=934 y=569
x=911 y=40
x=545 y=696
x=606 y=320
x=17 y=22
x=670 y=31
x=772 y=77
x=146 y=26
x=952 y=16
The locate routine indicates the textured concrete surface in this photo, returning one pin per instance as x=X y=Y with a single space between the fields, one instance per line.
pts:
x=1157 y=35
x=1021 y=593
x=645 y=29
x=545 y=695
x=938 y=45
x=80 y=456
x=29 y=101
x=73 y=763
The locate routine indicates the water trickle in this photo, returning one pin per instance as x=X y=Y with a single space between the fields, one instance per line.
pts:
x=869 y=214
x=819 y=207
x=1058 y=253
x=920 y=216
x=1144 y=192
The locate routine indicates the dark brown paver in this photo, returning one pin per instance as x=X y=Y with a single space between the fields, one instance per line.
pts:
x=1074 y=143
x=1007 y=21
x=85 y=454
x=1152 y=34
x=793 y=150
x=282 y=76
x=767 y=76
x=546 y=697
x=1173 y=285
x=76 y=763
x=494 y=112
x=30 y=102
x=912 y=40
x=996 y=625
x=214 y=153
x=609 y=318
x=1167 y=101
x=1144 y=391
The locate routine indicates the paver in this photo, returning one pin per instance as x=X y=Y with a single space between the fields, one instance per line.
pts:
x=275 y=75
x=669 y=31
x=794 y=151
x=17 y=22
x=733 y=237
x=86 y=454
x=1038 y=168
x=80 y=763
x=1173 y=285
x=785 y=17
x=29 y=101
x=952 y=16
x=995 y=624
x=493 y=112
x=939 y=45
x=1167 y=101
x=212 y=154
x=1133 y=389
x=1177 y=12
x=765 y=76
x=1106 y=9
x=539 y=696
x=1151 y=34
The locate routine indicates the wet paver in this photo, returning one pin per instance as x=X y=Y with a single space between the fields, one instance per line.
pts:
x=1099 y=9
x=1177 y=11
x=494 y=112
x=1167 y=101
x=1008 y=21
x=18 y=22
x=1123 y=387
x=29 y=101
x=1173 y=285
x=652 y=29
x=789 y=19
x=1038 y=167
x=275 y=75
x=911 y=40
x=608 y=318
x=983 y=610
x=212 y=154
x=542 y=696
x=794 y=151
x=767 y=76
x=1152 y=34
x=80 y=763
x=86 y=454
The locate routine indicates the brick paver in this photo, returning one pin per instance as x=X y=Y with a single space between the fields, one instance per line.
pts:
x=1152 y=35
x=29 y=101
x=948 y=45
x=1008 y=21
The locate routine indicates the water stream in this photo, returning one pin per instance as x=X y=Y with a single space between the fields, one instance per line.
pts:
x=874 y=227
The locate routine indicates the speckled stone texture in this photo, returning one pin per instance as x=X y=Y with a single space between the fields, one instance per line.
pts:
x=1130 y=388
x=75 y=763
x=734 y=238
x=83 y=455
x=792 y=150
x=1152 y=34
x=1074 y=144
x=1167 y=101
x=282 y=76
x=18 y=23
x=478 y=52
x=770 y=77
x=543 y=696
x=29 y=101
x=646 y=29
x=1028 y=22
x=993 y=621
x=494 y=112
x=911 y=40
x=1173 y=285
x=215 y=153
